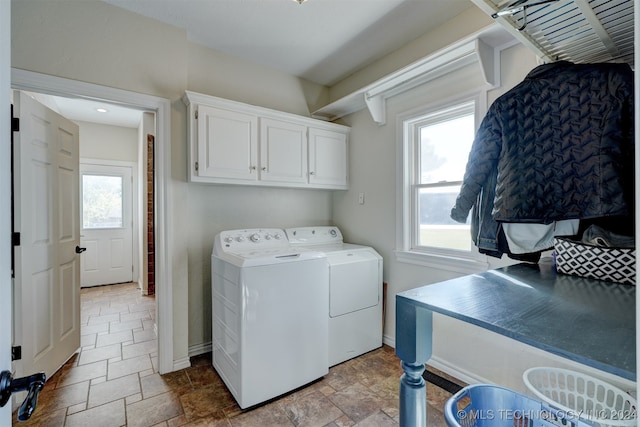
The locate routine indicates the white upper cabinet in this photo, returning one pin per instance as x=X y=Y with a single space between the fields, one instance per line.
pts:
x=283 y=151
x=327 y=158
x=235 y=143
x=226 y=144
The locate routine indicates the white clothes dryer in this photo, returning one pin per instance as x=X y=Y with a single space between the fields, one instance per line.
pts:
x=269 y=322
x=355 y=291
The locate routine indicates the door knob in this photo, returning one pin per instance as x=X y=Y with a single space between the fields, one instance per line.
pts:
x=32 y=384
x=79 y=250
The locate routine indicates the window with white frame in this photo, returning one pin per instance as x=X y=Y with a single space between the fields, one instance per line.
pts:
x=436 y=145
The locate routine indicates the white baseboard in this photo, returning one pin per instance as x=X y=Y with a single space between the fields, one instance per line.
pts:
x=194 y=350
x=456 y=372
x=198 y=349
x=181 y=364
x=391 y=342
x=444 y=366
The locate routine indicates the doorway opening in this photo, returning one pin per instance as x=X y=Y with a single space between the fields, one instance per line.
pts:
x=50 y=85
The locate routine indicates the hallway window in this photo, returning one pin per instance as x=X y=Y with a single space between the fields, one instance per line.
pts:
x=101 y=201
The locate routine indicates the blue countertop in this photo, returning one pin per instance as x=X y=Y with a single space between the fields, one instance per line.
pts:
x=589 y=321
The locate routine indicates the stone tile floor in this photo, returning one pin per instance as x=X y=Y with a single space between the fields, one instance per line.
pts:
x=113 y=381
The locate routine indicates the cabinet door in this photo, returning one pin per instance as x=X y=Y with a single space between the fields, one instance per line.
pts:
x=327 y=158
x=283 y=151
x=227 y=144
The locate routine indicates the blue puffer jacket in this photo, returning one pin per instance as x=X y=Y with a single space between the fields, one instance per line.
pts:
x=557 y=146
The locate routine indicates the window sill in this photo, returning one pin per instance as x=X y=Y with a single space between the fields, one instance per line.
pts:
x=443 y=262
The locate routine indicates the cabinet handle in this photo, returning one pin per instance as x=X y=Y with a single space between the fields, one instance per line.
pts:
x=252 y=168
x=264 y=168
x=312 y=173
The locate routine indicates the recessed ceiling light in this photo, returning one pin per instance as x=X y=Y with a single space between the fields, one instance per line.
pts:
x=101 y=110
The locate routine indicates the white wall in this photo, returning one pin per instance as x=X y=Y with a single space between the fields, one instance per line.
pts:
x=374 y=223
x=463 y=350
x=214 y=208
x=217 y=208
x=139 y=54
x=109 y=46
x=106 y=142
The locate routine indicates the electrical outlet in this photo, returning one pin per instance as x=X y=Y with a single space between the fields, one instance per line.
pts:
x=361 y=198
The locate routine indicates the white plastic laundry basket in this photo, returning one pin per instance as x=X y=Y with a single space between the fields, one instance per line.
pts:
x=589 y=398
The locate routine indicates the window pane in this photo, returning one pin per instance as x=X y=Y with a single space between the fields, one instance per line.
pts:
x=436 y=228
x=444 y=149
x=101 y=201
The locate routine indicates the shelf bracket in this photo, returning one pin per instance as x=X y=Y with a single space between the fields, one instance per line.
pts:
x=377 y=108
x=487 y=59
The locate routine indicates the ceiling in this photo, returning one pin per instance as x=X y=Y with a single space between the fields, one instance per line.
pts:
x=322 y=41
x=87 y=111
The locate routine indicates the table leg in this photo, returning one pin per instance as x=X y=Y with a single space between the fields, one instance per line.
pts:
x=414 y=328
x=413 y=396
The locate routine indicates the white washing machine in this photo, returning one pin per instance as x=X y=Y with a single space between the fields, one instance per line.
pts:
x=270 y=332
x=355 y=291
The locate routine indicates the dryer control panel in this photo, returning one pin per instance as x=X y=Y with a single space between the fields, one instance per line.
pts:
x=253 y=238
x=314 y=235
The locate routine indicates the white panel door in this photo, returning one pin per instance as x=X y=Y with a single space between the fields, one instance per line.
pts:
x=107 y=224
x=47 y=282
x=283 y=151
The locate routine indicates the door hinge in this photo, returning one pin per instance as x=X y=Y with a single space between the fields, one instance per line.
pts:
x=196 y=166
x=16 y=353
x=196 y=114
x=15 y=239
x=15 y=122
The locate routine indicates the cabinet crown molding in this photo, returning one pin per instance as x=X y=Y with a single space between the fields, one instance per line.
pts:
x=194 y=98
x=240 y=144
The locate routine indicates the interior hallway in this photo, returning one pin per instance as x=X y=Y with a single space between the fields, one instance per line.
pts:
x=114 y=381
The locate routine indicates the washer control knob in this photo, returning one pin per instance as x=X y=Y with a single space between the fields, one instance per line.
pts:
x=277 y=237
x=267 y=237
x=333 y=232
x=255 y=237
x=228 y=239
x=239 y=239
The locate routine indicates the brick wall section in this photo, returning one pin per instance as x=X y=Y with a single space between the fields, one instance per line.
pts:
x=151 y=288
